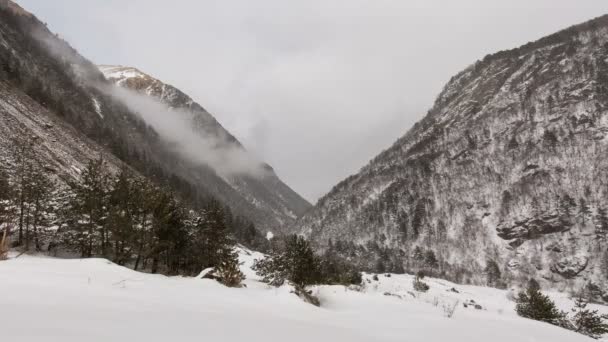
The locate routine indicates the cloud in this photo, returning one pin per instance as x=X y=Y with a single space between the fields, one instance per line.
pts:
x=177 y=128
x=315 y=87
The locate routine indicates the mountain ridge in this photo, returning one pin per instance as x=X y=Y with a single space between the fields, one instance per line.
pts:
x=45 y=68
x=492 y=172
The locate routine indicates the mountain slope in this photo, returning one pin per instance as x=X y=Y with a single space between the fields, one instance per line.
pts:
x=49 y=80
x=267 y=193
x=508 y=167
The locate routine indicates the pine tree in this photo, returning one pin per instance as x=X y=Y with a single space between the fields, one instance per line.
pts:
x=418 y=284
x=493 y=275
x=418 y=256
x=601 y=226
x=169 y=241
x=588 y=322
x=23 y=153
x=584 y=209
x=87 y=211
x=40 y=196
x=6 y=196
x=210 y=240
x=430 y=260
x=533 y=304
x=144 y=197
x=418 y=218
x=124 y=207
x=296 y=263
x=228 y=270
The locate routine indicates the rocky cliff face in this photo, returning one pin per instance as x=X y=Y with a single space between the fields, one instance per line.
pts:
x=509 y=166
x=60 y=99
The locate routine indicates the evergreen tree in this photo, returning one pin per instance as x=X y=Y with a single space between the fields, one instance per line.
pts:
x=6 y=196
x=493 y=275
x=5 y=213
x=418 y=255
x=418 y=284
x=584 y=209
x=169 y=242
x=40 y=191
x=228 y=270
x=535 y=305
x=296 y=262
x=430 y=260
x=211 y=243
x=23 y=153
x=125 y=201
x=88 y=211
x=335 y=270
x=601 y=226
x=145 y=195
x=588 y=322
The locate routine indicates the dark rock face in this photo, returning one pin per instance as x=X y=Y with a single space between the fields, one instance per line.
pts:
x=509 y=160
x=570 y=267
x=533 y=228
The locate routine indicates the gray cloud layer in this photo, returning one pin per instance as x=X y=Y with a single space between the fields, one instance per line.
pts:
x=314 y=87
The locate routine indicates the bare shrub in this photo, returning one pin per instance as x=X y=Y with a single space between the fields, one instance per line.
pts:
x=450 y=308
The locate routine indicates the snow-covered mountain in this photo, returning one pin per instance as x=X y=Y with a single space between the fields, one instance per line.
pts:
x=57 y=99
x=509 y=166
x=268 y=194
x=96 y=300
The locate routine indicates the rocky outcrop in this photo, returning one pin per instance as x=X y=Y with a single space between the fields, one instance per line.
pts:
x=520 y=231
x=570 y=267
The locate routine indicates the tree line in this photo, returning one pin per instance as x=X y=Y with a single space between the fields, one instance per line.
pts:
x=123 y=217
x=120 y=216
x=533 y=304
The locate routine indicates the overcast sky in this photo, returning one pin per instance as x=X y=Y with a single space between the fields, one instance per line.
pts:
x=316 y=88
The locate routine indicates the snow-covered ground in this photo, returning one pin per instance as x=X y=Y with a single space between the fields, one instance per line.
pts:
x=94 y=300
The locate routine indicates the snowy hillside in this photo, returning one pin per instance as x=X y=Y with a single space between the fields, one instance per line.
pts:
x=507 y=168
x=271 y=203
x=95 y=300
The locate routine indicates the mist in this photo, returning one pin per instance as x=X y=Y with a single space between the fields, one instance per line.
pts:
x=176 y=127
x=315 y=88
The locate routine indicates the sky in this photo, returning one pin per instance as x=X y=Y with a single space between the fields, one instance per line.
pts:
x=316 y=88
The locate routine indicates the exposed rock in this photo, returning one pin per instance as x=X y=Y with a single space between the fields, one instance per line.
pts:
x=570 y=267
x=533 y=228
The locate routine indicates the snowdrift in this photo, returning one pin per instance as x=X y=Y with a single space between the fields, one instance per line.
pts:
x=96 y=300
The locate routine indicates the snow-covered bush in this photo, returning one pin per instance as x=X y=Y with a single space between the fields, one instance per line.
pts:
x=450 y=308
x=229 y=272
x=295 y=262
x=588 y=322
x=419 y=285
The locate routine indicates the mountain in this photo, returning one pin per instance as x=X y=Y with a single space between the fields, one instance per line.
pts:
x=60 y=101
x=278 y=203
x=507 y=169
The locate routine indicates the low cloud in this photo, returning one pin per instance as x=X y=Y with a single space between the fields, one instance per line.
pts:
x=178 y=129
